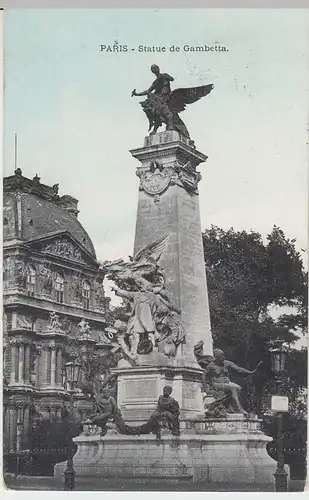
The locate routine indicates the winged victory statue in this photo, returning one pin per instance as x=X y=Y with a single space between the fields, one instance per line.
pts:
x=143 y=269
x=163 y=104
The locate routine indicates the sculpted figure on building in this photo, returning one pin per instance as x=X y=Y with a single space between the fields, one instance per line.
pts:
x=20 y=272
x=76 y=282
x=101 y=302
x=46 y=276
x=54 y=322
x=84 y=328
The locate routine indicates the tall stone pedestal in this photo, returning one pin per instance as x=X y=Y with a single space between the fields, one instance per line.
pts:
x=216 y=455
x=168 y=205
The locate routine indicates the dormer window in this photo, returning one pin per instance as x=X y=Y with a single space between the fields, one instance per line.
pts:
x=59 y=288
x=86 y=294
x=31 y=279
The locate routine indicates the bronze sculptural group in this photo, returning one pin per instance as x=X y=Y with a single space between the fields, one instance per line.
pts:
x=153 y=323
x=166 y=415
x=217 y=384
x=163 y=105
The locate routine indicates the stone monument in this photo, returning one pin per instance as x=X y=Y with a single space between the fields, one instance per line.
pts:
x=166 y=340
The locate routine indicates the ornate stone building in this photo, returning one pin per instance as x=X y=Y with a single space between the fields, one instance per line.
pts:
x=51 y=282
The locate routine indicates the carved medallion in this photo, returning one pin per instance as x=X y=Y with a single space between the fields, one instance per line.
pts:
x=158 y=178
x=155 y=182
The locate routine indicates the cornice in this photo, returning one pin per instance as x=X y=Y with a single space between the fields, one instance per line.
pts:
x=21 y=336
x=14 y=243
x=14 y=299
x=16 y=388
x=174 y=148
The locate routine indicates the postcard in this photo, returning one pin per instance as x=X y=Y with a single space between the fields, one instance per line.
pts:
x=155 y=280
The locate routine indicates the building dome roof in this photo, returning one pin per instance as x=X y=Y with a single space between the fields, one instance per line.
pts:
x=32 y=209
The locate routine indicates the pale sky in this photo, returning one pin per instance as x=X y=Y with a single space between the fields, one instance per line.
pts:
x=76 y=122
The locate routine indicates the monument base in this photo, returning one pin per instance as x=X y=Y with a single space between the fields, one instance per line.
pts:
x=139 y=388
x=214 y=455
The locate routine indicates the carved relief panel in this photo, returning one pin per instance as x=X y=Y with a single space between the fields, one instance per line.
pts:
x=23 y=321
x=64 y=247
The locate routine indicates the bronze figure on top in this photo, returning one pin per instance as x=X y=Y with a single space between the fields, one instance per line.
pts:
x=163 y=104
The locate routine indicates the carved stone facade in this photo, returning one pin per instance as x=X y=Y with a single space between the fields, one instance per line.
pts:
x=51 y=282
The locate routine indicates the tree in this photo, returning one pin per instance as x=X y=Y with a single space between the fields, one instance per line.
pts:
x=247 y=279
x=51 y=438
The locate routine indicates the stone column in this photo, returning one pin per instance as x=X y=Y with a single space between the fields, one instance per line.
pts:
x=14 y=321
x=26 y=429
x=36 y=371
x=19 y=214
x=27 y=363
x=19 y=428
x=14 y=354
x=6 y=429
x=12 y=428
x=44 y=366
x=21 y=354
x=59 y=368
x=53 y=366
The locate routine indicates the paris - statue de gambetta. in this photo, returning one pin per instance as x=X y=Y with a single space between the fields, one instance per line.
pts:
x=163 y=105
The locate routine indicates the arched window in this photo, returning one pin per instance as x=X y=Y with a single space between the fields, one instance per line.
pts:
x=59 y=287
x=86 y=294
x=31 y=278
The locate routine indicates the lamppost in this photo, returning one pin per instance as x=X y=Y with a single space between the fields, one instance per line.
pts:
x=72 y=370
x=279 y=404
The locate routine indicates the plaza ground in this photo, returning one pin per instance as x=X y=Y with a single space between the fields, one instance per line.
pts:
x=48 y=483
